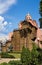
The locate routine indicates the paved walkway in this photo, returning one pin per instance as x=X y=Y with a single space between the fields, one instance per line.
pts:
x=6 y=60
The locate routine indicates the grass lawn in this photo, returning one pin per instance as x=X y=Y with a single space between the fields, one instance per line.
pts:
x=16 y=55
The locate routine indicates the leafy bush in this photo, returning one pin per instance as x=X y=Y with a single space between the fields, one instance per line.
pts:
x=4 y=63
x=40 y=56
x=34 y=55
x=6 y=55
x=12 y=63
x=25 y=56
x=29 y=57
x=15 y=63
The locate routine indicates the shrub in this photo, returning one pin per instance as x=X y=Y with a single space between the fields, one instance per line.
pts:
x=15 y=63
x=4 y=63
x=6 y=55
x=34 y=55
x=29 y=57
x=40 y=56
x=25 y=56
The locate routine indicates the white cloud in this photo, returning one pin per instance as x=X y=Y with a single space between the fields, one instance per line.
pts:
x=3 y=24
x=1 y=19
x=5 y=5
x=3 y=38
x=10 y=23
x=3 y=28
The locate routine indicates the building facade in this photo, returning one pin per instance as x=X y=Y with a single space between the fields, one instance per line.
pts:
x=25 y=35
x=39 y=38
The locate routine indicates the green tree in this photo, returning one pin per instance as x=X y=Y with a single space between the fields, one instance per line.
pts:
x=25 y=56
x=40 y=10
x=40 y=56
x=34 y=55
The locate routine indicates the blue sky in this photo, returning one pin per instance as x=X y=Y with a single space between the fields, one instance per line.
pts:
x=14 y=11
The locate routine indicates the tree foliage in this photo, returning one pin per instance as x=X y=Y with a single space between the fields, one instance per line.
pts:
x=40 y=8
x=40 y=11
x=25 y=56
x=34 y=55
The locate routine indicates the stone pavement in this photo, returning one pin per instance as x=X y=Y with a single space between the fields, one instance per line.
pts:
x=7 y=60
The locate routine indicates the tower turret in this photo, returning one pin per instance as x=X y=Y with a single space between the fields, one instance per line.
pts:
x=28 y=17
